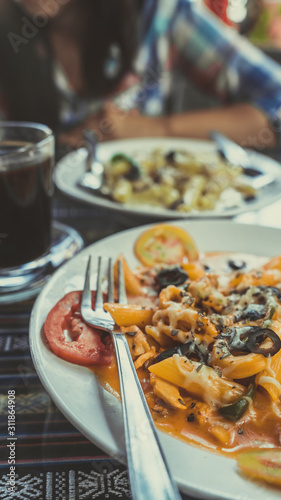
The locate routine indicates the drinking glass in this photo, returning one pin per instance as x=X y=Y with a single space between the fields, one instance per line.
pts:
x=31 y=244
x=26 y=189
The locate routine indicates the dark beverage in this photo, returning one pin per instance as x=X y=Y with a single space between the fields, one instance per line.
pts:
x=25 y=211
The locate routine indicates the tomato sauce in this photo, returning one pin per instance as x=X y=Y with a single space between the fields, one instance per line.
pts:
x=196 y=427
x=198 y=424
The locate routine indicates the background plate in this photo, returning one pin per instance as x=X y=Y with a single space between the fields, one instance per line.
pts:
x=70 y=169
x=96 y=413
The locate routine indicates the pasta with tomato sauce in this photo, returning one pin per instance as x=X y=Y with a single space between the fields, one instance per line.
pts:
x=210 y=359
x=205 y=339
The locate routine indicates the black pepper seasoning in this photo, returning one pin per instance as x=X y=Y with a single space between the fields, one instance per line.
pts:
x=191 y=417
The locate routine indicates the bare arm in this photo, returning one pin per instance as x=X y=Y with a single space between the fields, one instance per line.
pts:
x=217 y=60
x=241 y=122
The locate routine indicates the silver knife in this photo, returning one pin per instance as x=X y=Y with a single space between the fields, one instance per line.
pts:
x=236 y=155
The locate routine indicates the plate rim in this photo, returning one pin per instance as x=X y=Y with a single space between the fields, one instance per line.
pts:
x=165 y=439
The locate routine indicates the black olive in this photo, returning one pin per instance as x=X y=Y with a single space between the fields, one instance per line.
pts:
x=167 y=354
x=170 y=157
x=236 y=264
x=249 y=338
x=253 y=313
x=189 y=348
x=171 y=276
x=251 y=172
x=271 y=290
x=275 y=291
x=257 y=337
x=249 y=198
x=134 y=173
x=176 y=204
x=157 y=177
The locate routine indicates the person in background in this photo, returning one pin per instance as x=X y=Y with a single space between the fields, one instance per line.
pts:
x=220 y=9
x=241 y=15
x=55 y=57
x=87 y=51
x=267 y=29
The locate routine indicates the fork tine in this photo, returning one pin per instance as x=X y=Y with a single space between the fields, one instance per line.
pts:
x=86 y=294
x=99 y=296
x=122 y=297
x=110 y=280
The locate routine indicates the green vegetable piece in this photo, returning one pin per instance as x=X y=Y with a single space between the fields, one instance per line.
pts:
x=123 y=165
x=120 y=157
x=236 y=410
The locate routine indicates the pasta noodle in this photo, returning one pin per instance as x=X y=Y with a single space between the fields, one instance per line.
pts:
x=205 y=383
x=126 y=315
x=132 y=283
x=204 y=336
x=176 y=180
x=208 y=348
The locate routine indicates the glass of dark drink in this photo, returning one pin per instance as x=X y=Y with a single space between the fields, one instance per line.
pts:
x=26 y=189
x=32 y=245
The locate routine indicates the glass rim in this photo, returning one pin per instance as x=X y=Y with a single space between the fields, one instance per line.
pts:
x=29 y=125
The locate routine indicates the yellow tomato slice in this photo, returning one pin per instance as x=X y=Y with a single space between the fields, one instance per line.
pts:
x=263 y=464
x=165 y=244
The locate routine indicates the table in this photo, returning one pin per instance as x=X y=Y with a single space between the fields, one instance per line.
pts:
x=53 y=460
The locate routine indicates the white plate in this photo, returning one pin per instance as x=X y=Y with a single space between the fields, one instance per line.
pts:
x=69 y=170
x=96 y=413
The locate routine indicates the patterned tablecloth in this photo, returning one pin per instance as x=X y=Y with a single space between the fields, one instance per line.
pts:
x=53 y=461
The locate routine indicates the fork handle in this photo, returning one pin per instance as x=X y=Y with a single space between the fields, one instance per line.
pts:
x=150 y=478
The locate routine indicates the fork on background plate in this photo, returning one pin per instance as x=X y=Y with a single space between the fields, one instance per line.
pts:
x=150 y=477
x=236 y=155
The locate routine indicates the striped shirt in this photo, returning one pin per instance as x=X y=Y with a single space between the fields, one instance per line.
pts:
x=182 y=34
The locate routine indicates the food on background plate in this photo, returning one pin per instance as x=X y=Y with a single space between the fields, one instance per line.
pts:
x=204 y=335
x=175 y=180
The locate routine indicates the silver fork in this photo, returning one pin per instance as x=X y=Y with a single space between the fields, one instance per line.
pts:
x=150 y=478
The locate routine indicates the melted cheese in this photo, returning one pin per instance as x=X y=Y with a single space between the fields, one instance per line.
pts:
x=204 y=381
x=203 y=390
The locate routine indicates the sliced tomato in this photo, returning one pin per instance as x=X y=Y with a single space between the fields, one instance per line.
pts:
x=165 y=244
x=70 y=338
x=263 y=464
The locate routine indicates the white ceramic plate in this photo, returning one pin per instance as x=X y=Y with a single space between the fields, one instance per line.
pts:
x=69 y=170
x=96 y=413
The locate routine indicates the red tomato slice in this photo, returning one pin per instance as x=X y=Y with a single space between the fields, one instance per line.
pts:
x=165 y=244
x=72 y=339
